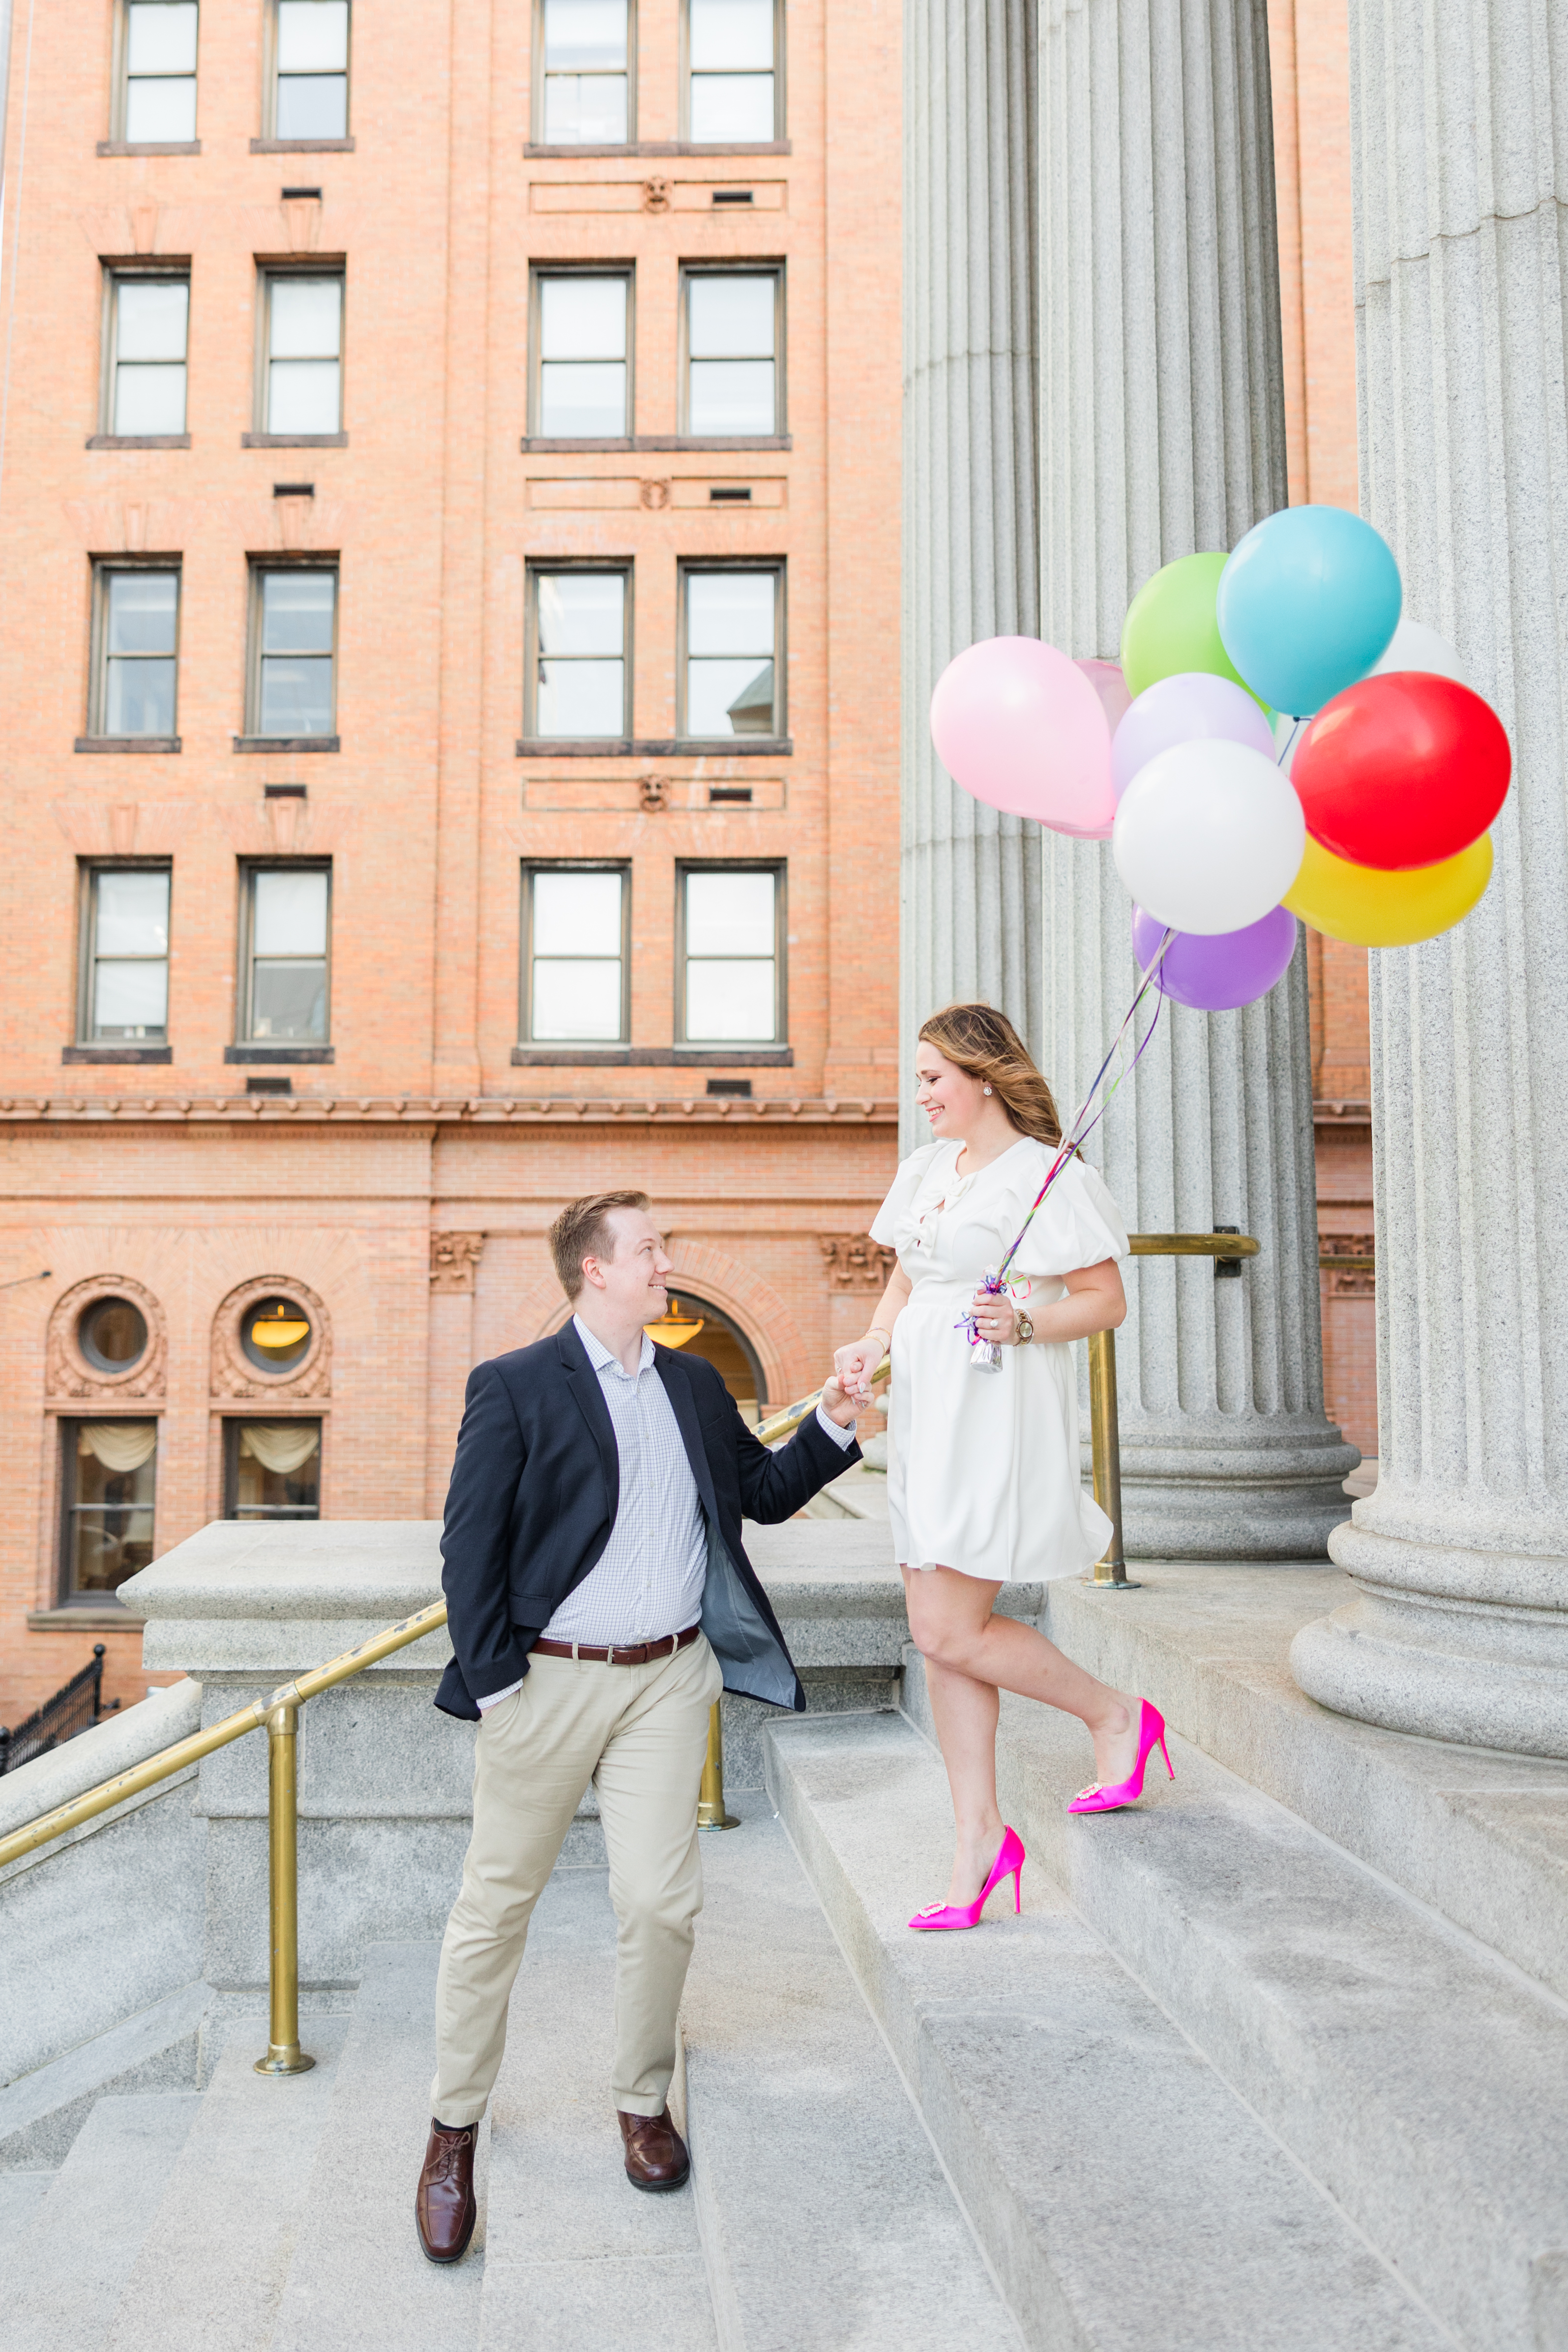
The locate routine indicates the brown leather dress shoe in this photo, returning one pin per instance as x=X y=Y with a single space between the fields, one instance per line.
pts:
x=655 y=2153
x=444 y=2203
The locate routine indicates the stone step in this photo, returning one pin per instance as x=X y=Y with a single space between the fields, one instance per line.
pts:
x=359 y=2281
x=825 y=2215
x=1423 y=2081
x=41 y=2114
x=575 y=2256
x=65 y=2276
x=1125 y=2195
x=216 y=2255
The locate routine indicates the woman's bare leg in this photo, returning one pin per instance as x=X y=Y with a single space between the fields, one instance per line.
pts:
x=970 y=1656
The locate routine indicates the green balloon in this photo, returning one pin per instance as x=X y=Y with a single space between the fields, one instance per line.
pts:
x=1171 y=627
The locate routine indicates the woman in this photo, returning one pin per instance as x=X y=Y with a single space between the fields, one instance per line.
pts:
x=984 y=1483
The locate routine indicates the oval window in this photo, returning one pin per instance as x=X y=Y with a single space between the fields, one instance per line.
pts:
x=113 y=1335
x=275 y=1334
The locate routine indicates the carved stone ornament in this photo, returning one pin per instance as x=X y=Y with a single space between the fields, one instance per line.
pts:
x=854 y=1261
x=654 y=492
x=67 y=1372
x=234 y=1374
x=1349 y=1263
x=653 y=792
x=655 y=195
x=455 y=1260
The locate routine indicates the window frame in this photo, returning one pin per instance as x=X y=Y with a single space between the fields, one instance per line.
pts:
x=530 y=867
x=104 y=567
x=741 y=1047
x=120 y=96
x=67 y=1424
x=268 y=269
x=286 y=1049
x=718 y=146
x=259 y=566
x=115 y=275
x=763 y=265
x=686 y=566
x=538 y=273
x=89 y=870
x=538 y=567
x=270 y=131
x=536 y=92
x=270 y=1514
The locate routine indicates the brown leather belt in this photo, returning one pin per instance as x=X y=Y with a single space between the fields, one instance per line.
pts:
x=619 y=1654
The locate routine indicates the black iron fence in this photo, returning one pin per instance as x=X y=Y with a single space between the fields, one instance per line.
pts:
x=75 y=1709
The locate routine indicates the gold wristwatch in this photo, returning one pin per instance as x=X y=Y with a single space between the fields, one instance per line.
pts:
x=1023 y=1329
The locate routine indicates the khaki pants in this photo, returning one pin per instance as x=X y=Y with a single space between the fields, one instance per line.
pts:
x=640 y=1734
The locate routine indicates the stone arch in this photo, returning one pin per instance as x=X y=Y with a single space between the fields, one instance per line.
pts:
x=234 y=1374
x=67 y=1370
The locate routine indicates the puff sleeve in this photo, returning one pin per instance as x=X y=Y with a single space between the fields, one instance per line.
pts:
x=894 y=1210
x=1077 y=1225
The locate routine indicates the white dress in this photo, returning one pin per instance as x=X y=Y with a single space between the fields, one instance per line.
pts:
x=984 y=1468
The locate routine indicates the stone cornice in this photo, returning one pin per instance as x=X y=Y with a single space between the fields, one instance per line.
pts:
x=141 y=1107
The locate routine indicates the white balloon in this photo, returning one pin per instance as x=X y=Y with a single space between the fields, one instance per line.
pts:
x=1414 y=646
x=1208 y=836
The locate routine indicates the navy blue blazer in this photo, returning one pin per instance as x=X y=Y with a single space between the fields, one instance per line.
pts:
x=534 y=1493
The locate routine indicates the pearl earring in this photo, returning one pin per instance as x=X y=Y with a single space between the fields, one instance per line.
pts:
x=987 y=1090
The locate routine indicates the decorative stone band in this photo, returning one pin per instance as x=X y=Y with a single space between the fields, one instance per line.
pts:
x=309 y=1110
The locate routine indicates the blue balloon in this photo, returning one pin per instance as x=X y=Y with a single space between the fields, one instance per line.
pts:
x=1306 y=605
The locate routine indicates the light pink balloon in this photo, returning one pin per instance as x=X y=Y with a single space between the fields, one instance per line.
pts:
x=1020 y=727
x=1115 y=701
x=1191 y=705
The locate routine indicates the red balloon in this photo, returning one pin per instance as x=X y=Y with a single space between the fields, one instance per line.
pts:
x=1402 y=769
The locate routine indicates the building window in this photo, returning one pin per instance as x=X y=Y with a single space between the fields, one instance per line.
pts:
x=146 y=318
x=732 y=330
x=582 y=58
x=108 y=1473
x=576 y=935
x=730 y=658
x=272 y=1470
x=138 y=622
x=285 y=959
x=158 y=76
x=124 y=998
x=293 y=623
x=729 y=926
x=112 y=1334
x=731 y=77
x=577 y=664
x=310 y=69
x=302 y=340
x=582 y=340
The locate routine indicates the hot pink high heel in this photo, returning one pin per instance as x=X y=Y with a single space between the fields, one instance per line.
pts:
x=1008 y=1863
x=1097 y=1799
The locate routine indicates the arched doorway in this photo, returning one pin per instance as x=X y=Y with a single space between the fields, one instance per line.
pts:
x=720 y=1341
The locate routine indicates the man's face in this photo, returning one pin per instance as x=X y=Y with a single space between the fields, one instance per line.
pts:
x=631 y=1282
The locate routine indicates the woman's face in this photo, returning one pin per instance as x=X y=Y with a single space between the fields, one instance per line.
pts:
x=948 y=1095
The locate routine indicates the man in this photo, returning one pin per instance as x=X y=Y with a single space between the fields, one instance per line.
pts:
x=598 y=1601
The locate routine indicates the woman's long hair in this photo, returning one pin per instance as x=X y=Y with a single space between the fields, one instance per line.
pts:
x=984 y=1042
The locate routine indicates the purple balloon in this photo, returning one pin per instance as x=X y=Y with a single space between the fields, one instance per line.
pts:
x=1225 y=969
x=1176 y=710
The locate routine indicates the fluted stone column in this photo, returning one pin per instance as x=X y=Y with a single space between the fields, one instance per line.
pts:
x=1163 y=433
x=1461 y=1632
x=970 y=878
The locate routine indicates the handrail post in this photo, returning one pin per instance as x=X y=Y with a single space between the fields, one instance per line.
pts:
x=1110 y=1574
x=711 y=1814
x=284 y=2056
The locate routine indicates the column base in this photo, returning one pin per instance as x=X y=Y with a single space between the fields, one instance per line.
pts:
x=1210 y=1497
x=1413 y=1654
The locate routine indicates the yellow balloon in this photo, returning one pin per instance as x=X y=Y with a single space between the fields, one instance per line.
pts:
x=1374 y=910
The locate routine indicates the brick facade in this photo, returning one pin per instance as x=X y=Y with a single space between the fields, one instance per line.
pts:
x=406 y=1184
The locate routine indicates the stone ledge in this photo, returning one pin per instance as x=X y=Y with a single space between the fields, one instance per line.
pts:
x=1481 y=1836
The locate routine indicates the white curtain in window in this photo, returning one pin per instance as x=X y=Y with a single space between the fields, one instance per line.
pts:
x=281 y=1447
x=120 y=1445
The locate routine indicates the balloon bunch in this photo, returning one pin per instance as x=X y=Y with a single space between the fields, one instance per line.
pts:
x=1276 y=741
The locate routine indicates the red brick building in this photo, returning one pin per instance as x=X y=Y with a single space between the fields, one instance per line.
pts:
x=434 y=787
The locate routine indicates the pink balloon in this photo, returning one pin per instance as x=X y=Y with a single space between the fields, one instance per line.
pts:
x=1020 y=727
x=1179 y=710
x=1115 y=701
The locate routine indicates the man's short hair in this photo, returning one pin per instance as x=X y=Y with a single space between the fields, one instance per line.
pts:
x=583 y=1230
